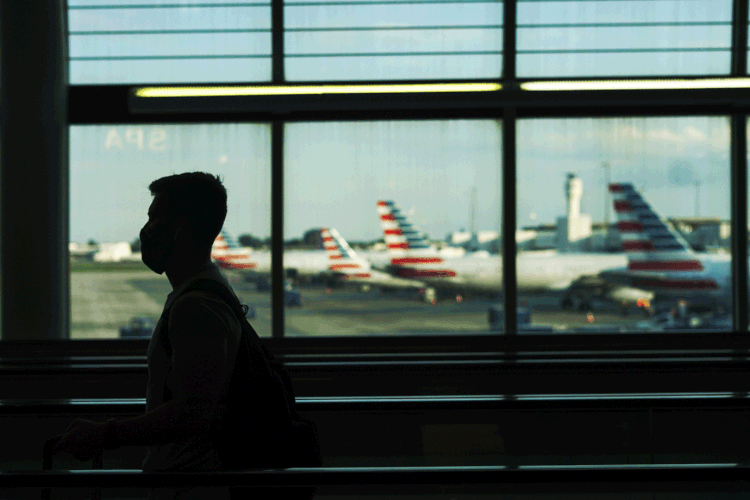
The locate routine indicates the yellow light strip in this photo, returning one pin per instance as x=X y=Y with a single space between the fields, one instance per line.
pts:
x=677 y=84
x=313 y=90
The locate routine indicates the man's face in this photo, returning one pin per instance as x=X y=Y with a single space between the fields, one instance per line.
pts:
x=157 y=238
x=156 y=214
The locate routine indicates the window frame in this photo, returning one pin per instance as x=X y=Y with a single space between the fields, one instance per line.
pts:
x=508 y=105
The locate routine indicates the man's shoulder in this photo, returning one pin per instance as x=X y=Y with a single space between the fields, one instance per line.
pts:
x=207 y=285
x=199 y=299
x=197 y=313
x=202 y=298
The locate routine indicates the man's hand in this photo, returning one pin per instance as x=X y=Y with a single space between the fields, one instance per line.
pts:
x=82 y=439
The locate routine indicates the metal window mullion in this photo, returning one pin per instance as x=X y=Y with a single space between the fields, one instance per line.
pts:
x=509 y=40
x=510 y=320
x=277 y=228
x=739 y=37
x=277 y=41
x=510 y=317
x=34 y=194
x=277 y=176
x=739 y=241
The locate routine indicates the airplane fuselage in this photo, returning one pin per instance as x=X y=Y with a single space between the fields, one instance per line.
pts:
x=305 y=262
x=535 y=272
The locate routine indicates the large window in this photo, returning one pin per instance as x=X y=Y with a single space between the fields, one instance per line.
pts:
x=393 y=203
x=630 y=232
x=572 y=38
x=387 y=40
x=112 y=293
x=169 y=42
x=400 y=202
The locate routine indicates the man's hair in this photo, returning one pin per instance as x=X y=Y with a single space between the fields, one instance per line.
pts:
x=199 y=197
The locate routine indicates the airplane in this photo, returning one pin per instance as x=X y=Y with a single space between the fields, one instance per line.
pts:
x=345 y=264
x=297 y=263
x=659 y=258
x=413 y=258
x=229 y=255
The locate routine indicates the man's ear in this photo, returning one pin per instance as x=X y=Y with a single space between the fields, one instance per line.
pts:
x=180 y=227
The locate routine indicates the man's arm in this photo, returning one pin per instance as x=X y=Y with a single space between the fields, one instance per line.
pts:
x=200 y=367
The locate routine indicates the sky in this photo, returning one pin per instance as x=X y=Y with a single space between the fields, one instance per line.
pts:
x=335 y=172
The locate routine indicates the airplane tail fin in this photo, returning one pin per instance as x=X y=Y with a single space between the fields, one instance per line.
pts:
x=228 y=254
x=400 y=234
x=405 y=243
x=342 y=259
x=224 y=242
x=395 y=240
x=650 y=244
x=220 y=245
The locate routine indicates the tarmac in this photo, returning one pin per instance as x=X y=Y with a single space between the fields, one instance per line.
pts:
x=102 y=302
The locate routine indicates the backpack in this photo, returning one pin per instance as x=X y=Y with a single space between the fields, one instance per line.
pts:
x=262 y=429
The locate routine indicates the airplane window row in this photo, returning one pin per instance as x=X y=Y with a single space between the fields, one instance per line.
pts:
x=395 y=227
x=121 y=42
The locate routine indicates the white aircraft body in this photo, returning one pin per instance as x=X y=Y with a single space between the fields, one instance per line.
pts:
x=229 y=255
x=345 y=264
x=659 y=258
x=412 y=258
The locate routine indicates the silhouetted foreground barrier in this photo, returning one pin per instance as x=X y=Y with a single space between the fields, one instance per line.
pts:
x=490 y=402
x=397 y=480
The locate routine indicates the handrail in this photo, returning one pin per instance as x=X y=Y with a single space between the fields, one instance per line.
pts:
x=719 y=357
x=488 y=402
x=403 y=345
x=536 y=479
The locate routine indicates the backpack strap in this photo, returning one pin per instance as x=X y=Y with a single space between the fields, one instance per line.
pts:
x=216 y=288
x=210 y=286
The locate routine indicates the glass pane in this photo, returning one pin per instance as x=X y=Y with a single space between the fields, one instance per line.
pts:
x=651 y=251
x=411 y=212
x=112 y=293
x=122 y=41
x=393 y=40
x=571 y=38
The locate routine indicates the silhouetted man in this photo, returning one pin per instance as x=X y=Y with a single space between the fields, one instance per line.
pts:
x=185 y=393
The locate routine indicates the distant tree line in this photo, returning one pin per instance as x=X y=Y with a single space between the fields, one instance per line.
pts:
x=311 y=240
x=248 y=240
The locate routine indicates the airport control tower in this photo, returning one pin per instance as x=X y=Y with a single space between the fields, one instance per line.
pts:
x=574 y=229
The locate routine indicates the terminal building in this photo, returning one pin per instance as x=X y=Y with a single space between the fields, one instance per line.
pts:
x=99 y=97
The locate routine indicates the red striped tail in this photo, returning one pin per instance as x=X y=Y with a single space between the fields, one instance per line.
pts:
x=650 y=243
x=343 y=260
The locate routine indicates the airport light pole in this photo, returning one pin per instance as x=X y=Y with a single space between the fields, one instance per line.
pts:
x=605 y=166
x=697 y=198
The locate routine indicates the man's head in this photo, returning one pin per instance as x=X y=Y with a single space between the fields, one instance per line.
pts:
x=189 y=207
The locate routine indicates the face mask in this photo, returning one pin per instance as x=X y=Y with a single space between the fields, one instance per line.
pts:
x=156 y=246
